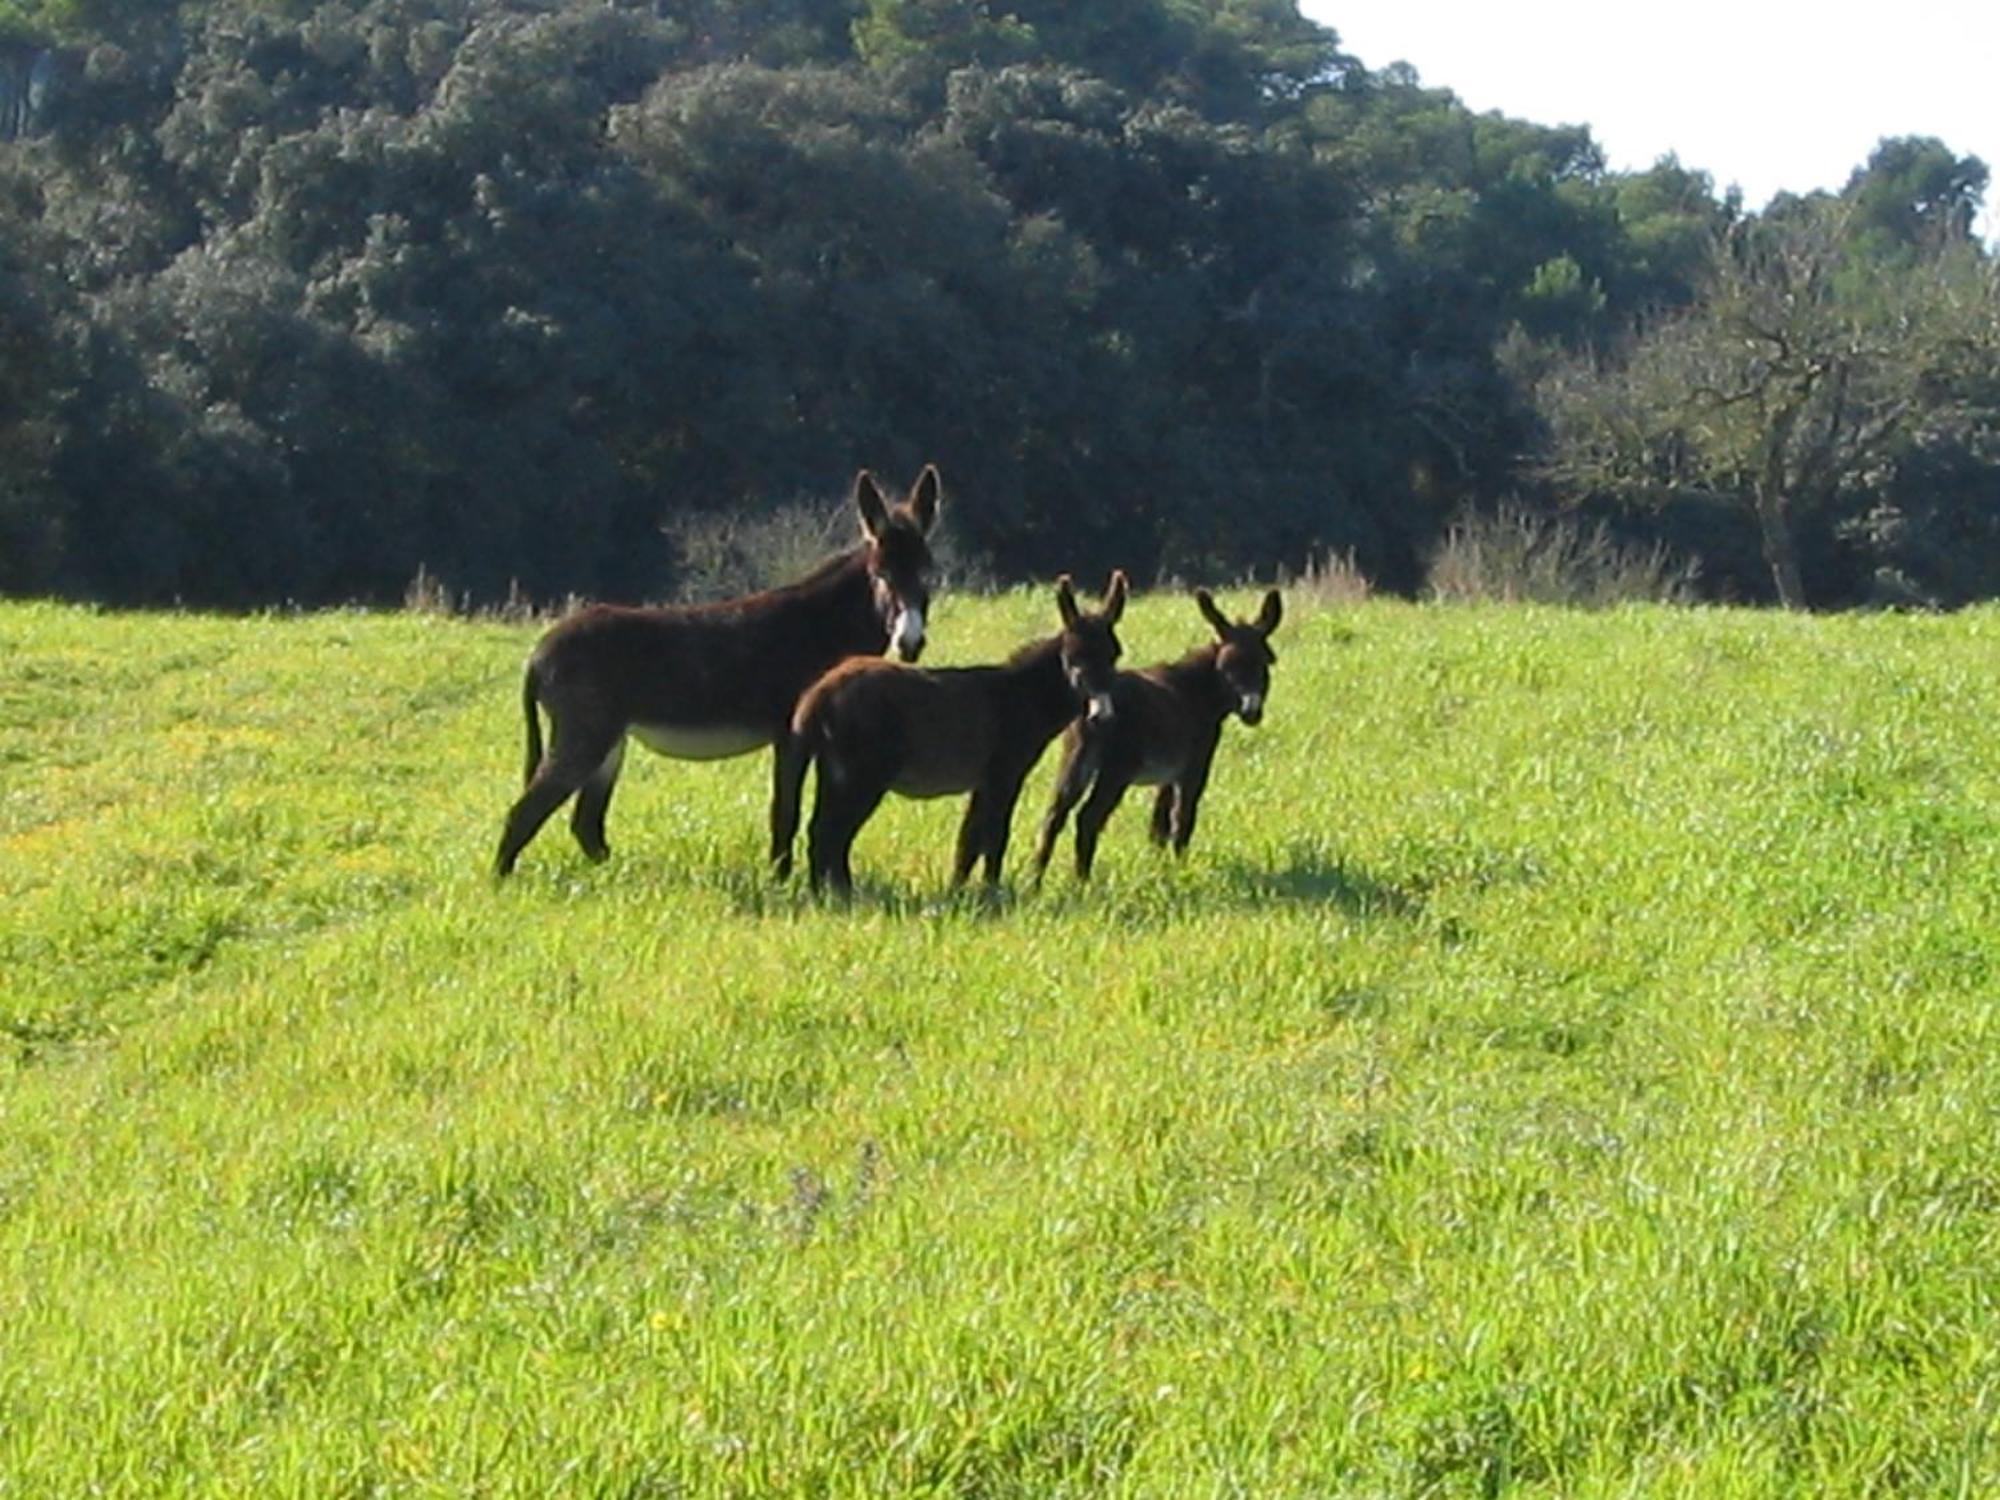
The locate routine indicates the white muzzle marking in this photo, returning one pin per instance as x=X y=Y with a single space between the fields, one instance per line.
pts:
x=908 y=635
x=1253 y=704
x=1100 y=711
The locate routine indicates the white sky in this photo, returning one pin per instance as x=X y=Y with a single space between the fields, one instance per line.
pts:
x=1764 y=94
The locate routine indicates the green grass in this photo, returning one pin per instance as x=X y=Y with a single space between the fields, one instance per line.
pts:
x=1566 y=1064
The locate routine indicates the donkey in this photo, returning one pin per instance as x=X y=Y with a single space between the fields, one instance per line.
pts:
x=703 y=682
x=1163 y=730
x=873 y=726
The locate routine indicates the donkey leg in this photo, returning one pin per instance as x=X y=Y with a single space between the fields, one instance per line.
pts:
x=593 y=799
x=544 y=795
x=1163 y=814
x=820 y=828
x=1000 y=824
x=971 y=838
x=829 y=826
x=1187 y=805
x=1091 y=818
x=836 y=844
x=1072 y=780
x=859 y=812
x=842 y=806
x=788 y=774
x=571 y=761
x=1052 y=827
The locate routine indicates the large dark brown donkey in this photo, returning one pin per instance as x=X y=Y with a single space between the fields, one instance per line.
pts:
x=874 y=727
x=706 y=681
x=1163 y=730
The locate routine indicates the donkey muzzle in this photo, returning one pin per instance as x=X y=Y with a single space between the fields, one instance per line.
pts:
x=1099 y=710
x=908 y=634
x=1251 y=709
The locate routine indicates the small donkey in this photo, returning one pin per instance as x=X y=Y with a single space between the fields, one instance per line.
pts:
x=1162 y=731
x=873 y=727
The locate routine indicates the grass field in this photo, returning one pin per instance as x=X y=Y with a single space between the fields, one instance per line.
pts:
x=1567 y=1064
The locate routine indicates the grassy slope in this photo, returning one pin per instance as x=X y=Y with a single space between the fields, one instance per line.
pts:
x=1566 y=1064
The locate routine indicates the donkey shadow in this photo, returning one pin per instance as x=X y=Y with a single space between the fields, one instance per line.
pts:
x=1303 y=876
x=753 y=893
x=1306 y=876
x=1155 y=891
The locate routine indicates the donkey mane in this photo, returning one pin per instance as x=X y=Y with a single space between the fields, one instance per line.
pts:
x=1033 y=653
x=827 y=574
x=1200 y=659
x=822 y=572
x=1195 y=673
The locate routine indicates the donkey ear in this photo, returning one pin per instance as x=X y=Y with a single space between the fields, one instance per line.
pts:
x=1114 y=596
x=1066 y=602
x=1217 y=620
x=868 y=500
x=925 y=497
x=1272 y=612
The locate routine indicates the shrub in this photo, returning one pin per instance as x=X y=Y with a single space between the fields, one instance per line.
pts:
x=1328 y=579
x=1516 y=555
x=719 y=554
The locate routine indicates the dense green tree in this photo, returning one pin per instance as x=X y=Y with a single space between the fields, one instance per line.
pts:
x=1225 y=59
x=1667 y=218
x=1912 y=195
x=775 y=33
x=296 y=295
x=34 y=369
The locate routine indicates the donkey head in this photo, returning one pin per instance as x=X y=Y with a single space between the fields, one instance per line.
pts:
x=1245 y=658
x=899 y=556
x=1089 y=645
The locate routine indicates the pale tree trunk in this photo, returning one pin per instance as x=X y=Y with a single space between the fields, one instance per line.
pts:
x=1781 y=553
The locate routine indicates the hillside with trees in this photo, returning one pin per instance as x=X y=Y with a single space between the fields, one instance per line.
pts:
x=296 y=297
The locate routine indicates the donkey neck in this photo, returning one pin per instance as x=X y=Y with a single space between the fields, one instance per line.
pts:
x=837 y=600
x=1197 y=678
x=1035 y=687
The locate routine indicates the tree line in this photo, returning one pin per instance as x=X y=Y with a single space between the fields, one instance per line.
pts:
x=295 y=297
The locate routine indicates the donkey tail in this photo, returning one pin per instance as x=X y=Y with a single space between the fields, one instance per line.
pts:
x=534 y=720
x=796 y=749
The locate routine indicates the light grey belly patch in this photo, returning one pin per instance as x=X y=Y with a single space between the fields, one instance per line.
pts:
x=699 y=741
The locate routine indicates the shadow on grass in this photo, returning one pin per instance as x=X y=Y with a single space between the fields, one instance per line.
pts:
x=1152 y=889
x=41 y=1036
x=759 y=893
x=1146 y=888
x=1307 y=877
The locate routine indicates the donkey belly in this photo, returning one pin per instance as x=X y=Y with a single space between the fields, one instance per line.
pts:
x=923 y=781
x=700 y=741
x=946 y=748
